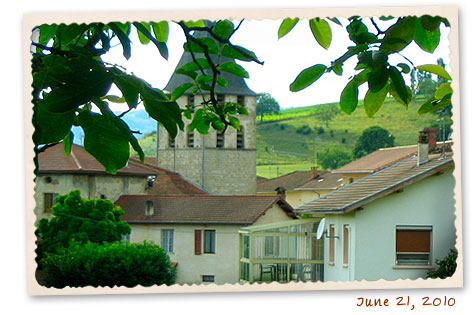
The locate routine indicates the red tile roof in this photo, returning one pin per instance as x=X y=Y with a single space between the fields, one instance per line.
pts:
x=238 y=210
x=378 y=160
x=53 y=160
x=170 y=183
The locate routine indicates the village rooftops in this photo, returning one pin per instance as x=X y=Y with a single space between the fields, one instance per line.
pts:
x=54 y=161
x=230 y=210
x=377 y=185
x=300 y=180
x=378 y=160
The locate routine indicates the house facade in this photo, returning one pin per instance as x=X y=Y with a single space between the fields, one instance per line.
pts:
x=391 y=224
x=200 y=233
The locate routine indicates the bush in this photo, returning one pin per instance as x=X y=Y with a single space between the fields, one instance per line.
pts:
x=320 y=130
x=333 y=158
x=447 y=266
x=109 y=264
x=305 y=130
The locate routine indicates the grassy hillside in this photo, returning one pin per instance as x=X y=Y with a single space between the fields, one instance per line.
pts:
x=282 y=149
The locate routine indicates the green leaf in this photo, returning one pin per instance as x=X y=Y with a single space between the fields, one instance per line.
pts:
x=200 y=122
x=223 y=29
x=286 y=26
x=210 y=43
x=358 y=33
x=222 y=81
x=234 y=68
x=180 y=90
x=398 y=36
x=199 y=23
x=374 y=100
x=307 y=77
x=238 y=52
x=430 y=23
x=426 y=40
x=47 y=32
x=433 y=105
x=68 y=143
x=399 y=84
x=104 y=141
x=443 y=90
x=235 y=122
x=70 y=32
x=129 y=86
x=395 y=95
x=143 y=29
x=404 y=67
x=321 y=31
x=51 y=127
x=335 y=20
x=160 y=30
x=167 y=113
x=377 y=79
x=123 y=38
x=192 y=66
x=349 y=97
x=435 y=69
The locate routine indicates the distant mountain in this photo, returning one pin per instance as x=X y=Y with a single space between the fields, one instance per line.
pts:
x=138 y=120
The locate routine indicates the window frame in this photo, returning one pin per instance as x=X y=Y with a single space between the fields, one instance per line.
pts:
x=209 y=237
x=331 y=246
x=168 y=243
x=240 y=141
x=210 y=277
x=49 y=201
x=346 y=245
x=414 y=263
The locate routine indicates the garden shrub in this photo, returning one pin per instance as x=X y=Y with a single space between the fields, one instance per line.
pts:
x=447 y=266
x=305 y=130
x=108 y=264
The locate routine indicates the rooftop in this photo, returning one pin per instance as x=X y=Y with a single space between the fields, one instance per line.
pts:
x=203 y=209
x=377 y=185
x=300 y=180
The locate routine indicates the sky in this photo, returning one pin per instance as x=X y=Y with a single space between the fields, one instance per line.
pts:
x=283 y=59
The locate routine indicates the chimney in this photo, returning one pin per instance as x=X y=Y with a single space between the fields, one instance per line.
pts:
x=314 y=172
x=281 y=192
x=432 y=133
x=423 y=148
x=149 y=209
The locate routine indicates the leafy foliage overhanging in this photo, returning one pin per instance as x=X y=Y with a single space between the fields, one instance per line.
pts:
x=72 y=83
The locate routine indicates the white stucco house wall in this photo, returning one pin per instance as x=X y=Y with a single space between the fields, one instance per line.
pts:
x=391 y=224
x=200 y=233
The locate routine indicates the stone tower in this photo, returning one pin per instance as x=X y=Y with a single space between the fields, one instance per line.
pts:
x=221 y=163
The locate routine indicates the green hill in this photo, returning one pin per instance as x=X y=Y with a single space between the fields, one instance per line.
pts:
x=290 y=141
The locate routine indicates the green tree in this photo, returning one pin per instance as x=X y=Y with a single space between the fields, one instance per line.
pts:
x=72 y=82
x=108 y=264
x=267 y=105
x=80 y=220
x=326 y=113
x=447 y=266
x=372 y=139
x=333 y=158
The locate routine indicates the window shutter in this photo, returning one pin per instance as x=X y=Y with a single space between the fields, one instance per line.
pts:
x=197 y=242
x=413 y=241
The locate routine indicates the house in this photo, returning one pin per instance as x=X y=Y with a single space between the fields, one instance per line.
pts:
x=394 y=223
x=229 y=155
x=200 y=233
x=59 y=174
x=299 y=187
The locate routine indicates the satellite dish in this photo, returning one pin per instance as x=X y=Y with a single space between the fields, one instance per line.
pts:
x=321 y=228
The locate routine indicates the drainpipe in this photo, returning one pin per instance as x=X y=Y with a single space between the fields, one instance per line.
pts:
x=203 y=161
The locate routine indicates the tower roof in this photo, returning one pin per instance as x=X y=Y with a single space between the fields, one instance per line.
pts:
x=236 y=84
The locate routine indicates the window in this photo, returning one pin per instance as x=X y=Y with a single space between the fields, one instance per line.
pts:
x=210 y=242
x=220 y=99
x=240 y=100
x=220 y=138
x=190 y=139
x=171 y=142
x=49 y=201
x=191 y=102
x=205 y=243
x=167 y=241
x=240 y=138
x=331 y=258
x=413 y=245
x=346 y=239
x=271 y=244
x=207 y=278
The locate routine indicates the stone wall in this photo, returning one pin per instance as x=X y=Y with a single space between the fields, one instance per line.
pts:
x=225 y=171
x=91 y=187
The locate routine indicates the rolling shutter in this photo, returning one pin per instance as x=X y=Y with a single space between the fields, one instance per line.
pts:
x=197 y=242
